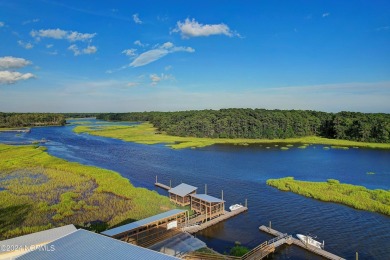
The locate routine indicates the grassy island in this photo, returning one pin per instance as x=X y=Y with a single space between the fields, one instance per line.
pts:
x=354 y=196
x=39 y=191
x=146 y=133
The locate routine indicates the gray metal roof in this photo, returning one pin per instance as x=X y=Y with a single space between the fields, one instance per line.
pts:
x=182 y=189
x=41 y=237
x=84 y=244
x=142 y=222
x=207 y=198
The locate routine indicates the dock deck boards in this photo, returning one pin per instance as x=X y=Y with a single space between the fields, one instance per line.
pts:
x=228 y=214
x=163 y=186
x=299 y=243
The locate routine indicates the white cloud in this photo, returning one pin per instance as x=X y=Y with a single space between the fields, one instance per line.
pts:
x=325 y=15
x=10 y=77
x=76 y=51
x=169 y=67
x=139 y=43
x=9 y=62
x=49 y=46
x=149 y=57
x=157 y=78
x=191 y=28
x=132 y=84
x=61 y=34
x=30 y=21
x=90 y=50
x=25 y=45
x=167 y=45
x=130 y=52
x=2 y=24
x=157 y=53
x=136 y=19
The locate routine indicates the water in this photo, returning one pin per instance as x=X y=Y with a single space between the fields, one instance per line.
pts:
x=241 y=172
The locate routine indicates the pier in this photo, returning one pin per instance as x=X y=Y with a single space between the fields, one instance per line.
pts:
x=290 y=240
x=208 y=210
x=193 y=227
x=163 y=186
x=23 y=130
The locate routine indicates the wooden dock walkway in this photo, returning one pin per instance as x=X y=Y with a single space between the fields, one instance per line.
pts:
x=193 y=227
x=299 y=243
x=163 y=186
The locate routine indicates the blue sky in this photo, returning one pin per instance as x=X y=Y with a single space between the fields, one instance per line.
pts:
x=121 y=56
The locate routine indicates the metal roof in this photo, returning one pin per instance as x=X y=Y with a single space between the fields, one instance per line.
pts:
x=84 y=244
x=142 y=222
x=182 y=189
x=207 y=198
x=41 y=237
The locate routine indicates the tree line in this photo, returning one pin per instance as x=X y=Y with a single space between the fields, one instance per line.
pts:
x=30 y=119
x=262 y=123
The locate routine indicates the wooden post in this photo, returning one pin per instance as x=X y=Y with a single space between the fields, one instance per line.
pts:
x=205 y=189
x=357 y=256
x=270 y=226
x=246 y=203
x=170 y=183
x=222 y=195
x=156 y=179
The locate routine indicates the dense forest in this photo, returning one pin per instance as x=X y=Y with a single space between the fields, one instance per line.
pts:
x=30 y=119
x=262 y=123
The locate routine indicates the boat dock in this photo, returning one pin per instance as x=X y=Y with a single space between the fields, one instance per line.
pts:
x=163 y=186
x=193 y=227
x=21 y=130
x=208 y=210
x=290 y=240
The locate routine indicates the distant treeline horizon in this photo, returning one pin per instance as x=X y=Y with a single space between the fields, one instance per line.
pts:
x=9 y=120
x=236 y=123
x=262 y=123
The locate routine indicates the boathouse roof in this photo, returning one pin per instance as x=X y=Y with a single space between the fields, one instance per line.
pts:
x=207 y=198
x=182 y=189
x=83 y=244
x=142 y=222
x=39 y=237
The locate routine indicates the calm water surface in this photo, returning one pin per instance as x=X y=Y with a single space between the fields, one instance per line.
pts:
x=241 y=172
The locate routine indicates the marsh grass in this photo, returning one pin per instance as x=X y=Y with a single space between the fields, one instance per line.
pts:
x=145 y=133
x=354 y=196
x=41 y=191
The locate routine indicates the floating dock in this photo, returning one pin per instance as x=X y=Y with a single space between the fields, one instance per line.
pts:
x=290 y=240
x=163 y=186
x=193 y=227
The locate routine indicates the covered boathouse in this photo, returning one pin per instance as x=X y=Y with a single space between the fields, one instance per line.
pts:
x=181 y=194
x=207 y=205
x=149 y=231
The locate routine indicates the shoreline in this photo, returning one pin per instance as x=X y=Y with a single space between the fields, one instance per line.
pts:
x=54 y=191
x=354 y=196
x=146 y=133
